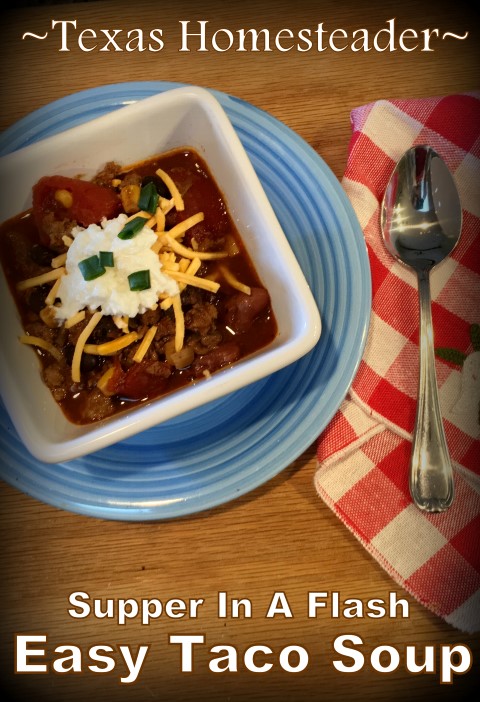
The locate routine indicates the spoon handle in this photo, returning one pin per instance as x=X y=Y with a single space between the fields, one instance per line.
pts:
x=431 y=476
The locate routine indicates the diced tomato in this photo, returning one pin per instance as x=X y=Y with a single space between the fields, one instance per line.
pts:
x=90 y=202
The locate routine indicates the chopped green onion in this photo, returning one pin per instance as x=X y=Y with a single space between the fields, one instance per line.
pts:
x=132 y=227
x=91 y=268
x=106 y=258
x=140 y=280
x=148 y=199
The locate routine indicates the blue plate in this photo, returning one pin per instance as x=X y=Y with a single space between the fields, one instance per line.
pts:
x=227 y=448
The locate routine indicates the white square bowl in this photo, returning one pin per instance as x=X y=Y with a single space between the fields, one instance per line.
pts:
x=182 y=117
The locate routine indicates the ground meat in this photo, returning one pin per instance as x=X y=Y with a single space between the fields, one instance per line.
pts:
x=149 y=319
x=40 y=329
x=19 y=250
x=55 y=230
x=107 y=174
x=192 y=296
x=61 y=337
x=201 y=317
x=55 y=377
x=132 y=179
x=96 y=406
x=158 y=317
x=166 y=326
x=59 y=394
x=203 y=344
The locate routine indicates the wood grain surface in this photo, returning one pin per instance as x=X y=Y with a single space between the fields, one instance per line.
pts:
x=280 y=537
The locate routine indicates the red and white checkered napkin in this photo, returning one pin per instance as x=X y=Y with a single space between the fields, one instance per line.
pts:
x=363 y=455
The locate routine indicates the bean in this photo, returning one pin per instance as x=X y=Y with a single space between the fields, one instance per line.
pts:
x=41 y=255
x=36 y=298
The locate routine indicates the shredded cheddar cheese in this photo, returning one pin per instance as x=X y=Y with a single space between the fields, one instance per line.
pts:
x=41 y=279
x=174 y=192
x=166 y=205
x=59 y=260
x=121 y=322
x=156 y=246
x=110 y=347
x=41 y=343
x=182 y=250
x=145 y=344
x=196 y=281
x=188 y=223
x=183 y=264
x=234 y=282
x=179 y=323
x=160 y=219
x=51 y=297
x=82 y=339
x=193 y=267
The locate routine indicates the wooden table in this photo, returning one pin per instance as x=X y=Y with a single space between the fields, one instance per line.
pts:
x=281 y=537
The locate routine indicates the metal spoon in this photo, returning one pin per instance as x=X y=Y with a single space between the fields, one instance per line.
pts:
x=421 y=220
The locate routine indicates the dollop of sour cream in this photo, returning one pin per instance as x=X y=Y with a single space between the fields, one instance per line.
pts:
x=110 y=293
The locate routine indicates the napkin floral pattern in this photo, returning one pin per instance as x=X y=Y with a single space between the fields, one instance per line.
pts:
x=363 y=455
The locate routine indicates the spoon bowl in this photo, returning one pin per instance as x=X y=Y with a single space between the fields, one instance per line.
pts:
x=421 y=222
